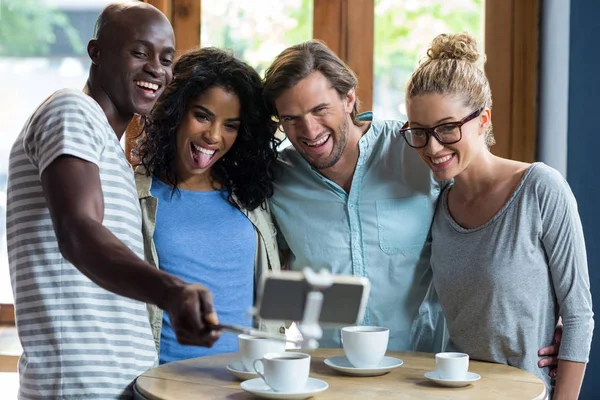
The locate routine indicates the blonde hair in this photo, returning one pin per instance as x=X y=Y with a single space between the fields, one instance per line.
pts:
x=453 y=66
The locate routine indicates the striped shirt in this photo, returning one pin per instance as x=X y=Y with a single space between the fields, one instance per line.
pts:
x=79 y=340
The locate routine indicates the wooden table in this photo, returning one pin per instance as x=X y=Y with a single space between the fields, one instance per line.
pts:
x=207 y=378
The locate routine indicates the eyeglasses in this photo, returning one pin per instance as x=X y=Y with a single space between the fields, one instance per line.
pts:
x=446 y=133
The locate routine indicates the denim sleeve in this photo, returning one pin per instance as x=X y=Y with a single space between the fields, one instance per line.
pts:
x=429 y=332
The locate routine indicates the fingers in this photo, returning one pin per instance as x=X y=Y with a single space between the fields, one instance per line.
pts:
x=189 y=322
x=206 y=338
x=551 y=350
x=548 y=362
x=193 y=312
x=209 y=314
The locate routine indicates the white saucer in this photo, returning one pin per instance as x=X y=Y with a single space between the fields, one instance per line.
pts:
x=471 y=377
x=259 y=388
x=341 y=364
x=237 y=369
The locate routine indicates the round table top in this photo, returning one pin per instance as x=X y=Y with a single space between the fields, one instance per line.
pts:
x=208 y=378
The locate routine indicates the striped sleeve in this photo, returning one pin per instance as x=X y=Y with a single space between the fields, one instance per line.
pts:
x=67 y=124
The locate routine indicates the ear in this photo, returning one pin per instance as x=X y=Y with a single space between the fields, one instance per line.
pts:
x=350 y=100
x=485 y=120
x=94 y=51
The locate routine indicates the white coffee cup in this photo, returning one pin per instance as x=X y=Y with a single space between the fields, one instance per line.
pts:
x=284 y=372
x=365 y=346
x=252 y=348
x=452 y=366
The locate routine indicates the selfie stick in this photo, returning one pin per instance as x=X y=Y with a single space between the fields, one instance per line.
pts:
x=309 y=327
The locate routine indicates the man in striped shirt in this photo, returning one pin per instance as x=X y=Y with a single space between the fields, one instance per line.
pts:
x=74 y=225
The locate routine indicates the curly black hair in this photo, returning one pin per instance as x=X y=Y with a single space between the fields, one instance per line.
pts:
x=244 y=171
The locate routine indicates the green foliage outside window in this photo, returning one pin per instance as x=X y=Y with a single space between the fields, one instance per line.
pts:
x=403 y=31
x=27 y=28
x=258 y=30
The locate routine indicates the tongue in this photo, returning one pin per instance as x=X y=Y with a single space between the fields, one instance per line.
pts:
x=204 y=159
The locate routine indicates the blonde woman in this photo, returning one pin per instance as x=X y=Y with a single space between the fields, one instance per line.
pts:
x=508 y=252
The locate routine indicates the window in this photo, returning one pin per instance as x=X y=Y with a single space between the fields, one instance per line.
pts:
x=258 y=30
x=42 y=49
x=403 y=31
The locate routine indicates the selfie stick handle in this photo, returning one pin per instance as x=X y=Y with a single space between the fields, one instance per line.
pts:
x=309 y=327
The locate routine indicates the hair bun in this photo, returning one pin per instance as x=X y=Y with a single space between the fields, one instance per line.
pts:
x=459 y=46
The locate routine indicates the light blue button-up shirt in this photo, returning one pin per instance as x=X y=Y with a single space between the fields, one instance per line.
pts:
x=380 y=230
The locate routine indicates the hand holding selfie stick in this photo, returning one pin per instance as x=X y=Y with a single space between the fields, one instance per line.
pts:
x=305 y=295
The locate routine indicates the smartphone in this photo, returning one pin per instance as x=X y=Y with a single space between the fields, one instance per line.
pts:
x=282 y=296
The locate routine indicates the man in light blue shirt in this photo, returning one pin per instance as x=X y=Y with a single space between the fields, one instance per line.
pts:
x=352 y=197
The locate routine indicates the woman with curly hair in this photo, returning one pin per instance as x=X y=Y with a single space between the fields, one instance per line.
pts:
x=203 y=183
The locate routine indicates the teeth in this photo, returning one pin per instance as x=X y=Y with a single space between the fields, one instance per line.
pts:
x=318 y=142
x=148 y=85
x=441 y=159
x=203 y=150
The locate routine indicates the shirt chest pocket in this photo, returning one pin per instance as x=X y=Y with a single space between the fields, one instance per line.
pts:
x=403 y=224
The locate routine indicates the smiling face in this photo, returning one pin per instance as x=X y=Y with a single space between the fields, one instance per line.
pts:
x=448 y=160
x=316 y=120
x=207 y=131
x=133 y=56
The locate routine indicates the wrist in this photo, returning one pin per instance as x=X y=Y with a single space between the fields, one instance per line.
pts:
x=169 y=292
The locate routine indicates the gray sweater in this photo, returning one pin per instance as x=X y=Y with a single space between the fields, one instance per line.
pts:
x=502 y=286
